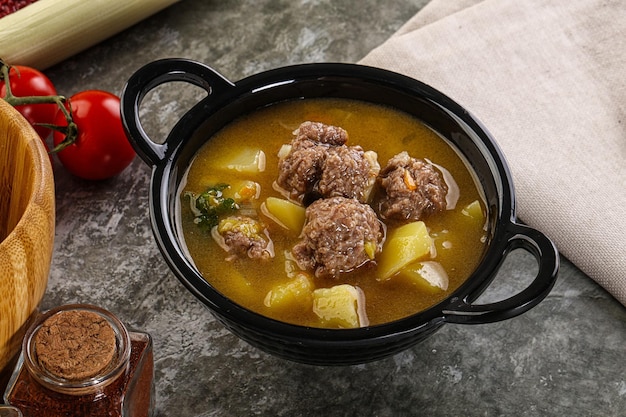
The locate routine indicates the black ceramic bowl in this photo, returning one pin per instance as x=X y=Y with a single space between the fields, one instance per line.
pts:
x=226 y=101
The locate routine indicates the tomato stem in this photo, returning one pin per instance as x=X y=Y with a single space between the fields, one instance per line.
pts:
x=70 y=130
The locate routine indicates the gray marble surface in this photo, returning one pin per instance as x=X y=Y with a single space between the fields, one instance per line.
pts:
x=563 y=358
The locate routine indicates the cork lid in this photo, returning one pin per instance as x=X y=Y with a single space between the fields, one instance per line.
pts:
x=75 y=344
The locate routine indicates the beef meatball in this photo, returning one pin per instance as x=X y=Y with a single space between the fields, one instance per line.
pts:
x=340 y=235
x=318 y=163
x=319 y=133
x=243 y=235
x=412 y=189
x=348 y=172
x=300 y=170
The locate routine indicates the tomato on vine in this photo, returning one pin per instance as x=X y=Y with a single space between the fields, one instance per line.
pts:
x=28 y=82
x=99 y=149
x=88 y=134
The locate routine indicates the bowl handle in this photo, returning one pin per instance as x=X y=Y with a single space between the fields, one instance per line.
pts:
x=517 y=237
x=151 y=76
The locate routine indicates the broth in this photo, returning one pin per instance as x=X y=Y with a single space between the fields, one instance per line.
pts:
x=459 y=239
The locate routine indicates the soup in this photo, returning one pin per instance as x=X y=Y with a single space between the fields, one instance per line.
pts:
x=399 y=263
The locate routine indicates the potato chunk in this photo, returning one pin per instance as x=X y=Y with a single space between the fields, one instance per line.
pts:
x=341 y=306
x=473 y=210
x=428 y=276
x=246 y=160
x=285 y=213
x=405 y=245
x=297 y=293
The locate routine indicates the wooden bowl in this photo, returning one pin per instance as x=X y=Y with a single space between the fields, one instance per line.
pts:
x=27 y=210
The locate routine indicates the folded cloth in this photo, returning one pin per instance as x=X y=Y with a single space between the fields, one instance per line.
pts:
x=548 y=80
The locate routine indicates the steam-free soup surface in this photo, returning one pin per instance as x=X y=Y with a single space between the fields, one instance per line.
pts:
x=458 y=233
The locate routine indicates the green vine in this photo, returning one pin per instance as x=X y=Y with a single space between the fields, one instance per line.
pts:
x=70 y=131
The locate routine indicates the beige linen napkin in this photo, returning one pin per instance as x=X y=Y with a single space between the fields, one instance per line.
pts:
x=548 y=80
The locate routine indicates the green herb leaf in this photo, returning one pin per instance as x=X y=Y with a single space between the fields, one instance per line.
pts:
x=210 y=205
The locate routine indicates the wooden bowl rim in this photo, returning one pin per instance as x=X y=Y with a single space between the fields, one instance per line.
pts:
x=20 y=129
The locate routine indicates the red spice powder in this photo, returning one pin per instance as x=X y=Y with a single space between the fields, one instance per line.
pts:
x=10 y=6
x=132 y=391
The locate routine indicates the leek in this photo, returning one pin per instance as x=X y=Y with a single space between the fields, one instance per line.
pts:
x=49 y=31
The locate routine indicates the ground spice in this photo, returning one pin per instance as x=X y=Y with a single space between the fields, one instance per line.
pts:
x=126 y=393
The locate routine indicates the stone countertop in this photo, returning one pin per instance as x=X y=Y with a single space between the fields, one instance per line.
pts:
x=564 y=357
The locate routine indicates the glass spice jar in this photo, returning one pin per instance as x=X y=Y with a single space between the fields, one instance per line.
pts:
x=9 y=411
x=80 y=360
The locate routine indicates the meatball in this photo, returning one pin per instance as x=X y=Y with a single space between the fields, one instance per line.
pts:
x=318 y=163
x=243 y=235
x=348 y=172
x=340 y=235
x=319 y=133
x=300 y=170
x=413 y=189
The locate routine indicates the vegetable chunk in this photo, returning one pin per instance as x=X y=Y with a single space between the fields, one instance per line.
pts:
x=246 y=160
x=405 y=245
x=429 y=276
x=295 y=294
x=285 y=213
x=341 y=306
x=473 y=210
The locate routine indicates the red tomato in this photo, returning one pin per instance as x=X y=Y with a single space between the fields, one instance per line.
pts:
x=26 y=81
x=101 y=149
